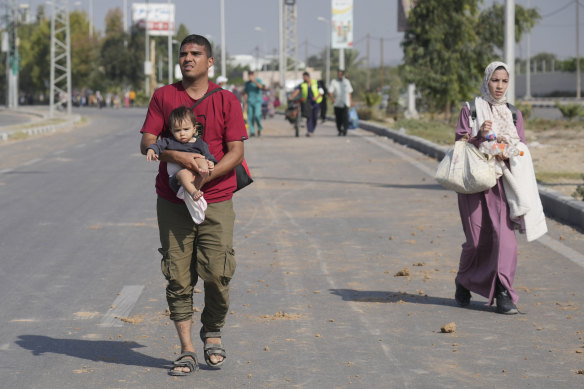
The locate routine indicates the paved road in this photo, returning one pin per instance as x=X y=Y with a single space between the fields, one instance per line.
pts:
x=315 y=303
x=11 y=118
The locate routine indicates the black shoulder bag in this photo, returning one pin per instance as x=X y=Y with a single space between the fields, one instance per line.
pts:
x=242 y=170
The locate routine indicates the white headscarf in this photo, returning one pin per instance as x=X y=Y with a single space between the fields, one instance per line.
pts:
x=486 y=94
x=497 y=112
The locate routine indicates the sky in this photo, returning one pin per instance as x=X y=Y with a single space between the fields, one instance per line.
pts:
x=555 y=33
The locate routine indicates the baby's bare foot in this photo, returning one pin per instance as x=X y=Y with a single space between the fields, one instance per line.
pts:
x=197 y=194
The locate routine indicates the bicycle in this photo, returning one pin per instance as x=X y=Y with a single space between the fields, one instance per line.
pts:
x=294 y=115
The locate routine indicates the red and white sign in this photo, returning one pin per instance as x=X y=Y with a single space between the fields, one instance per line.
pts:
x=159 y=16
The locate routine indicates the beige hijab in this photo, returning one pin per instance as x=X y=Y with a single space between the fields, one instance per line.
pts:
x=497 y=111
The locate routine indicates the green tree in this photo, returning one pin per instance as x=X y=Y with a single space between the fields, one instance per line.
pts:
x=118 y=55
x=440 y=51
x=84 y=50
x=182 y=33
x=491 y=27
x=445 y=52
x=35 y=58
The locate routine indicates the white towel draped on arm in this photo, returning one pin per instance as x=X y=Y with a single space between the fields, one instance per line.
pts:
x=522 y=194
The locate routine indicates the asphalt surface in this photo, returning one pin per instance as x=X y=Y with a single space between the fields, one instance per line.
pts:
x=316 y=303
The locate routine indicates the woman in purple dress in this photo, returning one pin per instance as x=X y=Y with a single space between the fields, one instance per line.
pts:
x=489 y=256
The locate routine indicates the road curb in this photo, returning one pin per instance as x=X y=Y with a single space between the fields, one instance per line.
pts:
x=36 y=130
x=555 y=205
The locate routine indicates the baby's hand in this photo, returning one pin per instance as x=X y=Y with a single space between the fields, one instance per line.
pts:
x=211 y=165
x=151 y=155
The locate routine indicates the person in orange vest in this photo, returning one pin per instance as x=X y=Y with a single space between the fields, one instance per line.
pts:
x=310 y=94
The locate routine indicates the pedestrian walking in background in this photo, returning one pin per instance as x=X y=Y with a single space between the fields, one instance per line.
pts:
x=341 y=93
x=190 y=251
x=253 y=99
x=489 y=256
x=222 y=81
x=311 y=96
x=322 y=89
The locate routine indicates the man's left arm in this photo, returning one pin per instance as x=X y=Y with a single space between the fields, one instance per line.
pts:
x=232 y=158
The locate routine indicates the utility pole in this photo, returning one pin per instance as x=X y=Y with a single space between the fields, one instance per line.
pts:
x=170 y=34
x=368 y=80
x=381 y=65
x=12 y=55
x=282 y=54
x=510 y=47
x=60 y=55
x=91 y=18
x=577 y=49
x=290 y=21
x=223 y=49
x=528 y=63
x=147 y=63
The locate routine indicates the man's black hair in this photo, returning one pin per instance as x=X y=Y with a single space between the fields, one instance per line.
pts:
x=306 y=74
x=198 y=40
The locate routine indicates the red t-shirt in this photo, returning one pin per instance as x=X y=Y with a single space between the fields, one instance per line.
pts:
x=222 y=117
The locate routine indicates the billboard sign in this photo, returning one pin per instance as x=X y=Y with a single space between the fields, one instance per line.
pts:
x=159 y=16
x=342 y=24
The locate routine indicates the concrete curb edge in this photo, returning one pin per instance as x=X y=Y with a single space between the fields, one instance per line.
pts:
x=4 y=136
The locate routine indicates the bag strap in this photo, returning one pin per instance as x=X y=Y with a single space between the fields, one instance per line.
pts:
x=205 y=96
x=473 y=110
x=200 y=133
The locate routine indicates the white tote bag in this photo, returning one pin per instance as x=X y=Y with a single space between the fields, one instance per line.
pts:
x=465 y=169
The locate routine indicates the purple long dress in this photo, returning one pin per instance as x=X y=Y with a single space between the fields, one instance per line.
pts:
x=491 y=247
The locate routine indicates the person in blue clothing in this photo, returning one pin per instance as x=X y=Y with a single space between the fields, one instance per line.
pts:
x=309 y=94
x=253 y=99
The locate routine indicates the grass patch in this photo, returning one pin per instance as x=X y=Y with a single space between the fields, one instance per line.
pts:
x=439 y=132
x=547 y=124
x=18 y=135
x=551 y=177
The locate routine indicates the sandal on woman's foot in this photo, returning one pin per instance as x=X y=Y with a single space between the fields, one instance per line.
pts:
x=187 y=359
x=212 y=348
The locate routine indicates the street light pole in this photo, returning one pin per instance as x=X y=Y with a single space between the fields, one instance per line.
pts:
x=223 y=51
x=328 y=48
x=578 y=50
x=91 y=18
x=510 y=47
x=257 y=28
x=170 y=34
x=147 y=63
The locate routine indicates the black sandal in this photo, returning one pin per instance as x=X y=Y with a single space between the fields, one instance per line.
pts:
x=212 y=349
x=186 y=359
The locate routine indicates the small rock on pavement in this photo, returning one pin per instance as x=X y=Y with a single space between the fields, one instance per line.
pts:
x=448 y=328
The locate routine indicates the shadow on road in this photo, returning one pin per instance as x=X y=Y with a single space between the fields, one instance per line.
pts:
x=375 y=296
x=94 y=350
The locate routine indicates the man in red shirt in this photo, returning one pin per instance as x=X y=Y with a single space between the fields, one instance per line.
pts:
x=188 y=250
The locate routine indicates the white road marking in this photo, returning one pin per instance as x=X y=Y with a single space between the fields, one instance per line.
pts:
x=545 y=240
x=4 y=171
x=31 y=162
x=122 y=306
x=395 y=363
x=562 y=249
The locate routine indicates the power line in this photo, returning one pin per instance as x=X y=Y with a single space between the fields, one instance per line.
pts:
x=558 y=10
